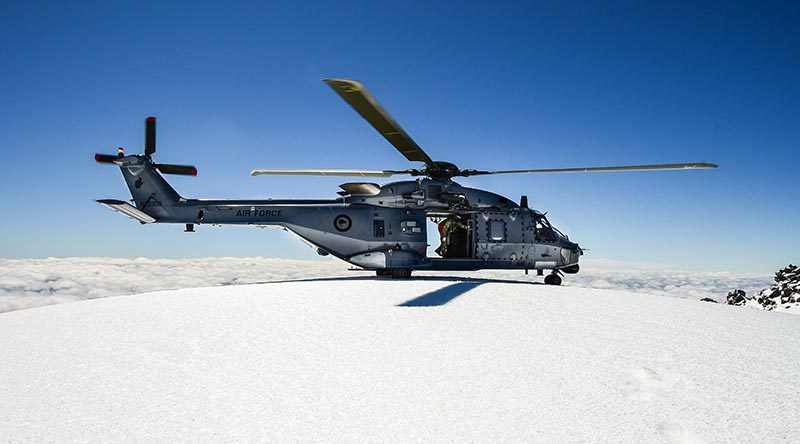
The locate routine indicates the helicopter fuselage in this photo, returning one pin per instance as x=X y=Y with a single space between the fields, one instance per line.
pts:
x=377 y=227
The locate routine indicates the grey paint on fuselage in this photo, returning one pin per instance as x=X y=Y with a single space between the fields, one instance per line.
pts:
x=383 y=230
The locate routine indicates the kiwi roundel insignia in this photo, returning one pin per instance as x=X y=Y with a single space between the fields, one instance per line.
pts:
x=342 y=222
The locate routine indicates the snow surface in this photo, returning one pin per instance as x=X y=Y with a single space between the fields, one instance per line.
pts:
x=28 y=283
x=429 y=359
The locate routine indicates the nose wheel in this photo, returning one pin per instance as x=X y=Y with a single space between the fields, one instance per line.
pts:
x=552 y=279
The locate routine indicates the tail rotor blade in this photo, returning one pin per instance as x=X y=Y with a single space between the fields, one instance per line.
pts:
x=184 y=170
x=105 y=158
x=149 y=136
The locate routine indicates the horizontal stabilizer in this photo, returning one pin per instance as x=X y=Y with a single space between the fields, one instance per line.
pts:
x=127 y=209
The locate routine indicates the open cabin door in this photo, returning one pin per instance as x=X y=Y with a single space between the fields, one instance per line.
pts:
x=454 y=236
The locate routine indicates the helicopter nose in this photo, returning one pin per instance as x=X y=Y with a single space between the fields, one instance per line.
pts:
x=574 y=250
x=572 y=246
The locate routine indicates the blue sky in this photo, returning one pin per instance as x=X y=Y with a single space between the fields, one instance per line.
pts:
x=485 y=85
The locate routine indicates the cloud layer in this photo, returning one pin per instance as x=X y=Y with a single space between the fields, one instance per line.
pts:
x=26 y=283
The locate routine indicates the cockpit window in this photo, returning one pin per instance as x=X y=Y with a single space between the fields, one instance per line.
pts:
x=559 y=232
x=544 y=232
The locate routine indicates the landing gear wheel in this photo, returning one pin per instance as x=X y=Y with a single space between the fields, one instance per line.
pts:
x=552 y=279
x=401 y=273
x=383 y=272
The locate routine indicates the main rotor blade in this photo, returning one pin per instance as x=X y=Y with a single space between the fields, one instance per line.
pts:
x=665 y=166
x=361 y=173
x=357 y=96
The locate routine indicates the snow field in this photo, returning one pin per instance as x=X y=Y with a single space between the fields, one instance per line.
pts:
x=429 y=359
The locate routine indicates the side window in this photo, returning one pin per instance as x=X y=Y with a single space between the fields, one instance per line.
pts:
x=497 y=230
x=379 y=228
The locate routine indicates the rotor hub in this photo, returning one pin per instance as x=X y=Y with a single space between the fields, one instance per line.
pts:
x=442 y=170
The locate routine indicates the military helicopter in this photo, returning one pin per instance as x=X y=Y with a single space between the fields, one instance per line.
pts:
x=381 y=228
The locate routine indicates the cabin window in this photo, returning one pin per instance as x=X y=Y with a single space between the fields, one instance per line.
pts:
x=497 y=230
x=379 y=228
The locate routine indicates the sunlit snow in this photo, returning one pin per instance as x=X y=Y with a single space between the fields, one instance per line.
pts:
x=432 y=359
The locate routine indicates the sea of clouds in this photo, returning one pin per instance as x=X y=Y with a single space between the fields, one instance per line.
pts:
x=26 y=283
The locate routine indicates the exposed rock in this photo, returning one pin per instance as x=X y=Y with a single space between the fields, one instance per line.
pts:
x=708 y=300
x=785 y=292
x=737 y=297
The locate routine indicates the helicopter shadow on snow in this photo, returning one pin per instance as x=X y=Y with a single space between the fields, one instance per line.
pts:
x=438 y=297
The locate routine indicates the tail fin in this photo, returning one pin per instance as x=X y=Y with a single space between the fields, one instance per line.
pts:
x=152 y=194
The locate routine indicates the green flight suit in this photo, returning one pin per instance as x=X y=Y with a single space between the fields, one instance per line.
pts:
x=450 y=225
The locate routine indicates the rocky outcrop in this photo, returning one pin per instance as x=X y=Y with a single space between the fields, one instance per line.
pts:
x=737 y=297
x=783 y=294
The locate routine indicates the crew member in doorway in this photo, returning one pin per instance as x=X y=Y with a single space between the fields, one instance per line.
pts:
x=446 y=229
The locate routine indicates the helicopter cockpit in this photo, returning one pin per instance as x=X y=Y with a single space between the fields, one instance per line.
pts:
x=544 y=232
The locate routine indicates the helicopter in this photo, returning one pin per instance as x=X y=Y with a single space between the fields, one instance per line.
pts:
x=380 y=228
